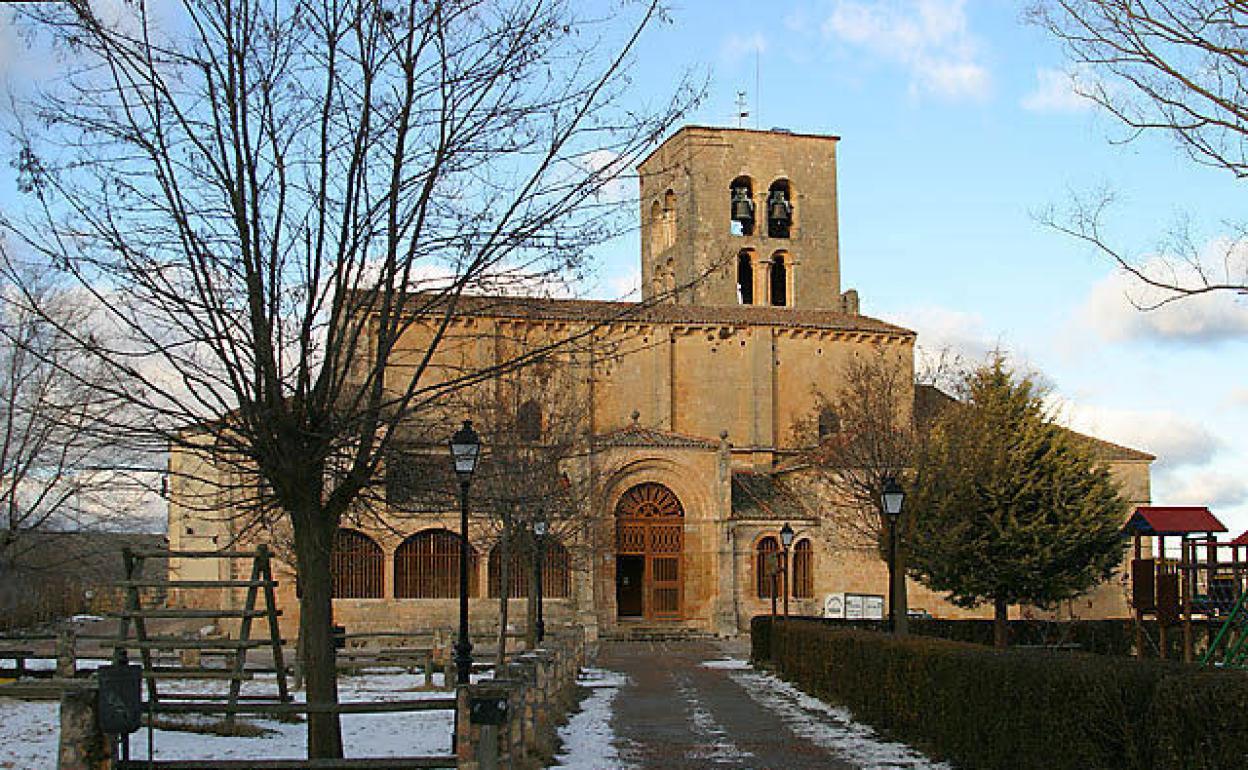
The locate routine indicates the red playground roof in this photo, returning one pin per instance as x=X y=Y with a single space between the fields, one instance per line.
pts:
x=1242 y=539
x=1173 y=520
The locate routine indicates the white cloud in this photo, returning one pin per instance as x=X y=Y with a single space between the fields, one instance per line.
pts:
x=1113 y=308
x=1175 y=440
x=625 y=286
x=1057 y=91
x=736 y=47
x=1214 y=488
x=929 y=38
x=940 y=329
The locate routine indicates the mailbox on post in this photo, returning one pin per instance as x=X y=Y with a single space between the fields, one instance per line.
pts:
x=121 y=698
x=491 y=710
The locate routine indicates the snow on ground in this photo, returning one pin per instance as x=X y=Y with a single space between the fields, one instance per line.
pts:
x=28 y=730
x=718 y=748
x=828 y=726
x=728 y=664
x=589 y=743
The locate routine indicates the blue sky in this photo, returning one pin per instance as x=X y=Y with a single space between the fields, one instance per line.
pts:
x=958 y=125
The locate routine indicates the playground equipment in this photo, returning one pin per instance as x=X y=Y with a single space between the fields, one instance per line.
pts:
x=1204 y=580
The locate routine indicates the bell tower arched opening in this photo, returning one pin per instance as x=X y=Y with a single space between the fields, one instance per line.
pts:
x=650 y=527
x=745 y=277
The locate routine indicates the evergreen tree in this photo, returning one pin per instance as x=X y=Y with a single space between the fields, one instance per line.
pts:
x=1008 y=507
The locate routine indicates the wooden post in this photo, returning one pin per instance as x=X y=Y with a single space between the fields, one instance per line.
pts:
x=1187 y=578
x=1139 y=613
x=1161 y=624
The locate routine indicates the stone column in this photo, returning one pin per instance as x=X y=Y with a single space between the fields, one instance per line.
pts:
x=82 y=746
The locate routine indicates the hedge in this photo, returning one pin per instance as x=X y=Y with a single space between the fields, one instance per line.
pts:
x=981 y=707
x=1104 y=637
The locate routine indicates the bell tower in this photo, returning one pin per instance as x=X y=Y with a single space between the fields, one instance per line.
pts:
x=742 y=217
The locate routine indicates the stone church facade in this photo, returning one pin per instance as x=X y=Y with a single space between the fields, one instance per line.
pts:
x=691 y=401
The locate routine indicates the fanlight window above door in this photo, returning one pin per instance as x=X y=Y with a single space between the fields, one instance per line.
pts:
x=649 y=500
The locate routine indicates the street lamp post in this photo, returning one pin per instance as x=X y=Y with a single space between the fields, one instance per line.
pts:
x=465 y=449
x=893 y=496
x=786 y=540
x=539 y=559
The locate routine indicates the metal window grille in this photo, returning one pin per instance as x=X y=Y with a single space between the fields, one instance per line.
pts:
x=803 y=570
x=556 y=573
x=426 y=566
x=356 y=565
x=766 y=547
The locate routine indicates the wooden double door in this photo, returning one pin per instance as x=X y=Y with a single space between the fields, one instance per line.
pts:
x=650 y=534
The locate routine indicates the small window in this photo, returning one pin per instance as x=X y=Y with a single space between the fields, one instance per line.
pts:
x=741 y=206
x=529 y=421
x=656 y=229
x=764 y=564
x=829 y=422
x=779 y=281
x=745 y=278
x=779 y=209
x=803 y=569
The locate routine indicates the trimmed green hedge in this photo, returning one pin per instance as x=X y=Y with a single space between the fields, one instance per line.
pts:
x=1019 y=709
x=1104 y=637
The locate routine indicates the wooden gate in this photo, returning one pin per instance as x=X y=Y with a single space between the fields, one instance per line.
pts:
x=650 y=523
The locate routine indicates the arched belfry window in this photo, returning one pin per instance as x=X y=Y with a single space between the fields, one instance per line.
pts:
x=529 y=421
x=656 y=229
x=356 y=565
x=803 y=569
x=765 y=555
x=745 y=277
x=741 y=202
x=669 y=219
x=779 y=279
x=779 y=209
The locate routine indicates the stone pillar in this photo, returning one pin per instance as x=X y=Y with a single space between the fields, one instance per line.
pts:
x=66 y=654
x=82 y=746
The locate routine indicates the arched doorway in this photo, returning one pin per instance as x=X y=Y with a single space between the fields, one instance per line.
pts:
x=650 y=534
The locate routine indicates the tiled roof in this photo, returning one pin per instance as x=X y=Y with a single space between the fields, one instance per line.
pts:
x=637 y=436
x=601 y=311
x=765 y=496
x=1173 y=520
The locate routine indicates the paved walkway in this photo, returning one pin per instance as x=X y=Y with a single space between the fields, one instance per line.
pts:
x=681 y=709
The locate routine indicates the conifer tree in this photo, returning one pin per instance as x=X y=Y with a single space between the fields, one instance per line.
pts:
x=1008 y=507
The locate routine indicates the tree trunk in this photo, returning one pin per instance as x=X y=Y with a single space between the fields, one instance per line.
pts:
x=1001 y=623
x=504 y=580
x=314 y=539
x=530 y=632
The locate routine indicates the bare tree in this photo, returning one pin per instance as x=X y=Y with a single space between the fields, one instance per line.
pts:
x=267 y=196
x=59 y=469
x=859 y=436
x=1162 y=66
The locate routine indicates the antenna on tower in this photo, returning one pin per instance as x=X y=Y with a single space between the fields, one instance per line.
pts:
x=742 y=112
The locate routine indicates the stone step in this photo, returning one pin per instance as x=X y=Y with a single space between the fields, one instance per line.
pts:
x=657 y=633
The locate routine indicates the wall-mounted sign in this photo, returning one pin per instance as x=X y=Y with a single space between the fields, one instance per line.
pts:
x=853 y=606
x=834 y=606
x=873 y=607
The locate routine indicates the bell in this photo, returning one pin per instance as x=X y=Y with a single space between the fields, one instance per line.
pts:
x=742 y=206
x=778 y=207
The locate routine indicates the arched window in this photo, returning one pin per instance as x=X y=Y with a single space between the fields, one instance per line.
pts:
x=763 y=565
x=779 y=209
x=556 y=573
x=779 y=280
x=741 y=206
x=803 y=569
x=745 y=278
x=669 y=219
x=829 y=422
x=529 y=421
x=356 y=565
x=656 y=229
x=426 y=566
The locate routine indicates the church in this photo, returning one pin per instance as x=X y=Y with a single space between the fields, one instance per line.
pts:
x=690 y=401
